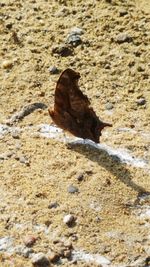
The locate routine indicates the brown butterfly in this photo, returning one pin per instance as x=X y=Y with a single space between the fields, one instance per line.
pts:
x=72 y=111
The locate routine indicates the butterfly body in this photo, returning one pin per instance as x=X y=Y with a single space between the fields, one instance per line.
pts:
x=72 y=111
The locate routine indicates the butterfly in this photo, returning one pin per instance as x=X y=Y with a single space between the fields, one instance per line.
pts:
x=72 y=111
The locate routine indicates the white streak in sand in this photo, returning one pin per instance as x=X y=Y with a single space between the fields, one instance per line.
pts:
x=88 y=257
x=50 y=131
x=123 y=154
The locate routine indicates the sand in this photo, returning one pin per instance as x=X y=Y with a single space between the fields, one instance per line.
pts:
x=112 y=205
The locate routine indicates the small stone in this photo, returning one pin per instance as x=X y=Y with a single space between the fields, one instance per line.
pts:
x=3 y=156
x=17 y=145
x=40 y=260
x=6 y=243
x=131 y=63
x=147 y=261
x=68 y=219
x=123 y=12
x=122 y=38
x=29 y=40
x=19 y=17
x=63 y=12
x=9 y=154
x=107 y=182
x=62 y=50
x=67 y=253
x=107 y=66
x=109 y=106
x=80 y=177
x=140 y=68
x=48 y=223
x=59 y=249
x=27 y=252
x=53 y=205
x=53 y=256
x=23 y=251
x=24 y=160
x=141 y=101
x=74 y=39
x=98 y=219
x=41 y=93
x=15 y=135
x=56 y=241
x=74 y=237
x=72 y=189
x=77 y=31
x=7 y=64
x=68 y=244
x=9 y=25
x=29 y=241
x=53 y=70
x=15 y=37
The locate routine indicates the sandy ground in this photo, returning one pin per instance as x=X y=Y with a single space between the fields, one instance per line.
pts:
x=112 y=206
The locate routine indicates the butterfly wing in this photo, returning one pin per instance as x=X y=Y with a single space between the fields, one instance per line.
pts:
x=78 y=101
x=72 y=111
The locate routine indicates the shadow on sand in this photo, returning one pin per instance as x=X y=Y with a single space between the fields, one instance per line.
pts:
x=111 y=163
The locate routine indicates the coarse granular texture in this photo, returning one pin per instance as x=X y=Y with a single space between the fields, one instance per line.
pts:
x=108 y=42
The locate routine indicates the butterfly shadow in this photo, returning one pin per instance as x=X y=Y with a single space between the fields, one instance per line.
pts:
x=111 y=163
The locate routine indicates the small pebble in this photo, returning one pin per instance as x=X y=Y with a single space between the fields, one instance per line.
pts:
x=48 y=223
x=74 y=237
x=147 y=261
x=9 y=26
x=40 y=259
x=109 y=106
x=29 y=241
x=41 y=93
x=68 y=219
x=5 y=243
x=76 y=31
x=23 y=251
x=15 y=37
x=107 y=66
x=74 y=39
x=122 y=38
x=24 y=160
x=98 y=219
x=53 y=256
x=140 y=68
x=53 y=70
x=53 y=205
x=3 y=156
x=63 y=12
x=29 y=40
x=72 y=189
x=141 y=101
x=62 y=50
x=7 y=64
x=123 y=12
x=59 y=249
x=67 y=253
x=15 y=135
x=68 y=244
x=80 y=177
x=18 y=145
x=27 y=252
